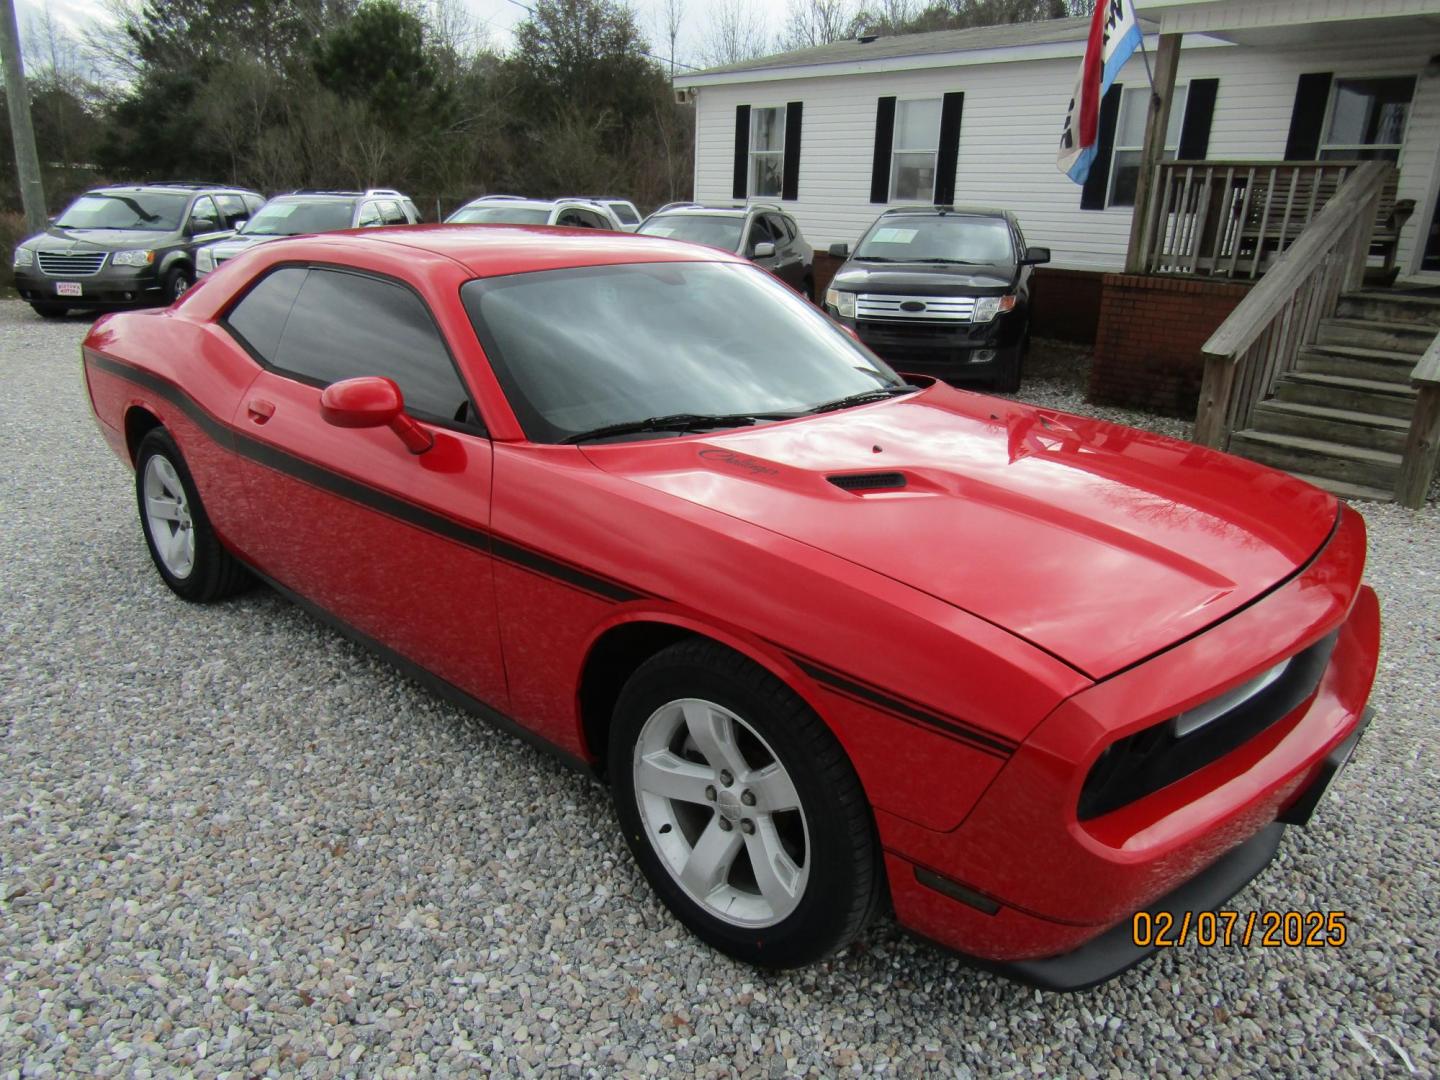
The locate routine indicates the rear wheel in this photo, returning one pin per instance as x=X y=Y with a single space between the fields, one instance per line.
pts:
x=50 y=311
x=182 y=543
x=741 y=808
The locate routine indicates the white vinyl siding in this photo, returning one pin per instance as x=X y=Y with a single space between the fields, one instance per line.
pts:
x=1010 y=128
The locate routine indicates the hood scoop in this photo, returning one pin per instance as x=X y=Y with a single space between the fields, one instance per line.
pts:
x=861 y=482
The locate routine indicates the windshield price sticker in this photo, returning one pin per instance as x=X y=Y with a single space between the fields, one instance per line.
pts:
x=894 y=236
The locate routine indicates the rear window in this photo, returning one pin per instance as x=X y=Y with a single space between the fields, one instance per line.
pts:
x=721 y=232
x=499 y=215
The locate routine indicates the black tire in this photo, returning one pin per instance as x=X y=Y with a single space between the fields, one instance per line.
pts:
x=845 y=880
x=807 y=287
x=177 y=280
x=50 y=311
x=214 y=573
x=1008 y=381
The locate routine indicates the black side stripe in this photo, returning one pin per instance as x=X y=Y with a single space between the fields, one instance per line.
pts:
x=876 y=698
x=367 y=496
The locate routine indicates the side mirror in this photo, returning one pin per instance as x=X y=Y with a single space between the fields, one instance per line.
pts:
x=840 y=251
x=1036 y=255
x=200 y=226
x=371 y=402
x=239 y=223
x=763 y=250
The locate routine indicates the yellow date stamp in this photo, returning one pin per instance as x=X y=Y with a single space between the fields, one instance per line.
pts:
x=1268 y=929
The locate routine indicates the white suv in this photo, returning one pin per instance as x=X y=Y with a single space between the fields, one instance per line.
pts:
x=518 y=210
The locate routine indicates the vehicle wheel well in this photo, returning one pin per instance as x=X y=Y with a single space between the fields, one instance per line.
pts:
x=612 y=660
x=139 y=422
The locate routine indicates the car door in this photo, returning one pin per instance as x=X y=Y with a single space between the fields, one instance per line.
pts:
x=789 y=261
x=759 y=233
x=393 y=544
x=205 y=224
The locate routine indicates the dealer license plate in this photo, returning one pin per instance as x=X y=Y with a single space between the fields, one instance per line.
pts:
x=68 y=288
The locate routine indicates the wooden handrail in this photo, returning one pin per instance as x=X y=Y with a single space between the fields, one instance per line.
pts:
x=1422 y=444
x=1278 y=317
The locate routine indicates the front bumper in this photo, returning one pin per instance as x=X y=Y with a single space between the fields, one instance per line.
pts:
x=1022 y=879
x=951 y=352
x=113 y=286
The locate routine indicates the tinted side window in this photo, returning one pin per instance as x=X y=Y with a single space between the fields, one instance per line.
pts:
x=203 y=216
x=345 y=325
x=260 y=316
x=369 y=215
x=759 y=234
x=625 y=213
x=232 y=209
x=780 y=228
x=391 y=213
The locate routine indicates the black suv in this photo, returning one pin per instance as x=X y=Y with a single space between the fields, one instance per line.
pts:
x=124 y=246
x=762 y=233
x=942 y=291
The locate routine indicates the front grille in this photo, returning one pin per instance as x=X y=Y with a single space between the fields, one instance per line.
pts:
x=926 y=308
x=71 y=263
x=1143 y=763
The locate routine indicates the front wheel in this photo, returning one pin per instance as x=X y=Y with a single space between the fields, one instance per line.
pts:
x=182 y=543
x=177 y=281
x=741 y=808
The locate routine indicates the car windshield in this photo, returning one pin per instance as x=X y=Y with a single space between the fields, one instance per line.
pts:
x=130 y=210
x=938 y=239
x=500 y=215
x=292 y=218
x=576 y=350
x=721 y=232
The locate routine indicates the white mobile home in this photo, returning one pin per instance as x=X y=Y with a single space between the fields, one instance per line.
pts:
x=974 y=116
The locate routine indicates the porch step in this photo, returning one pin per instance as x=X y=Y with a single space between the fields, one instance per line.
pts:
x=1342 y=490
x=1357 y=465
x=1366 y=334
x=1341 y=392
x=1344 y=426
x=1381 y=365
x=1386 y=305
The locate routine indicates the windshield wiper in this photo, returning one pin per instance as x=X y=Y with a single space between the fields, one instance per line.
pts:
x=864 y=397
x=874 y=258
x=951 y=262
x=679 y=422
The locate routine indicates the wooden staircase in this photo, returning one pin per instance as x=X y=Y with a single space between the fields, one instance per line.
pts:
x=1340 y=417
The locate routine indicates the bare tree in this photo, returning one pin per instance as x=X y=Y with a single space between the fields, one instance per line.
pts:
x=816 y=22
x=885 y=17
x=735 y=33
x=669 y=17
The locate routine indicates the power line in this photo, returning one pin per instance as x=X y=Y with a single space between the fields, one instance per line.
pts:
x=658 y=59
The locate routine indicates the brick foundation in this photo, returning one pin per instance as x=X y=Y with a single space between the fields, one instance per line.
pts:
x=1065 y=304
x=1147 y=345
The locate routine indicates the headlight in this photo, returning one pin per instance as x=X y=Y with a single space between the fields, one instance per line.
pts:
x=842 y=302
x=204 y=260
x=132 y=258
x=24 y=257
x=987 y=307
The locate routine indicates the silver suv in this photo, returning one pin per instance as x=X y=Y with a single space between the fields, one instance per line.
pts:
x=518 y=210
x=304 y=212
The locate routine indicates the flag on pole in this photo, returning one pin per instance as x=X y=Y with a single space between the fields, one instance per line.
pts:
x=1114 y=36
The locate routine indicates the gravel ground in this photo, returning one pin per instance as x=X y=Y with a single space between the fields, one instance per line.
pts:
x=234 y=845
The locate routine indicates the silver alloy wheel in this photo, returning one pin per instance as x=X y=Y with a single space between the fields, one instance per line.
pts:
x=167 y=516
x=182 y=284
x=722 y=813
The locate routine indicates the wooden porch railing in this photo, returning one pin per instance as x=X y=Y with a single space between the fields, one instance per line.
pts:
x=1422 y=445
x=1263 y=336
x=1235 y=219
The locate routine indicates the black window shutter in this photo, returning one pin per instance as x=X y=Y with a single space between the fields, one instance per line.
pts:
x=1312 y=95
x=1199 y=111
x=1092 y=196
x=949 y=156
x=742 y=151
x=884 y=137
x=790 y=178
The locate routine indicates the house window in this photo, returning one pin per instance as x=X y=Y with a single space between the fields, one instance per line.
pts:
x=1130 y=140
x=1367 y=119
x=767 y=150
x=912 y=158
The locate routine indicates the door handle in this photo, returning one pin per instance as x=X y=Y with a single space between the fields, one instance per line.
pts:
x=260 y=410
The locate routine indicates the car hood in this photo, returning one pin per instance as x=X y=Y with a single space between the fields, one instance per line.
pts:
x=228 y=249
x=1100 y=544
x=923 y=279
x=57 y=239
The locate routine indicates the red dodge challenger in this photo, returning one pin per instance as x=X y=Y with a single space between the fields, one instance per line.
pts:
x=837 y=640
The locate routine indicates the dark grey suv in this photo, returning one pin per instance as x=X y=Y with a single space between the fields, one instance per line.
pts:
x=764 y=234
x=127 y=245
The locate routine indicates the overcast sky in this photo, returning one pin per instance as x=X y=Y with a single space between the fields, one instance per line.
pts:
x=498 y=16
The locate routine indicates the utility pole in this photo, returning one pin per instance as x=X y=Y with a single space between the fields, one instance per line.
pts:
x=17 y=97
